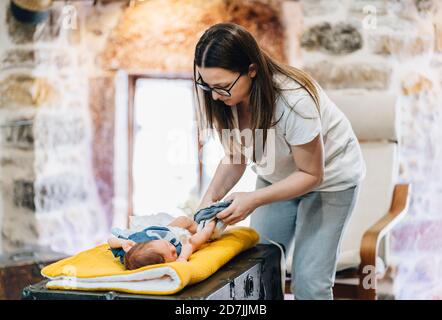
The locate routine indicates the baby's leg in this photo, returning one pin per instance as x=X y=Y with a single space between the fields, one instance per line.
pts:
x=185 y=223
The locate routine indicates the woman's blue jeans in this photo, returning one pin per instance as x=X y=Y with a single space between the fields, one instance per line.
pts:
x=317 y=220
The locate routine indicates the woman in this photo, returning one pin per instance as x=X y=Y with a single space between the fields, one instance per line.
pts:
x=304 y=151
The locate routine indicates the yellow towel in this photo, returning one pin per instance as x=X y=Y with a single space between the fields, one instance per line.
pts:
x=98 y=270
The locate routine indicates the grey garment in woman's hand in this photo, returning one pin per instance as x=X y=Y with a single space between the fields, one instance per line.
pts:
x=205 y=215
x=210 y=211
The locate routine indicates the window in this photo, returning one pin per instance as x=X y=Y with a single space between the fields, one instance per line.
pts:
x=165 y=147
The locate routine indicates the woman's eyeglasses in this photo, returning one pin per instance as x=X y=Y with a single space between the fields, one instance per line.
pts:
x=220 y=91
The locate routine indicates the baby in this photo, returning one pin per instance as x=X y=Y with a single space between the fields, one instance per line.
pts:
x=160 y=244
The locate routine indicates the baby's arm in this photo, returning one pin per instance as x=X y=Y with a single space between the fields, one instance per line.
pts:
x=121 y=243
x=186 y=252
x=115 y=242
x=199 y=238
x=196 y=241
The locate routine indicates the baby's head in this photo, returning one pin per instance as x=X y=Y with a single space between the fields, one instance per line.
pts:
x=151 y=252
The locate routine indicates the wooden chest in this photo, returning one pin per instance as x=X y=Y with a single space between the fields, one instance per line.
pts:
x=252 y=275
x=20 y=269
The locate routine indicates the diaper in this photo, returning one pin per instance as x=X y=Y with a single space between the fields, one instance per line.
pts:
x=183 y=235
x=205 y=215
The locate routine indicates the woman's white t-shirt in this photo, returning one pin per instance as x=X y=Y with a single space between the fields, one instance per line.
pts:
x=299 y=123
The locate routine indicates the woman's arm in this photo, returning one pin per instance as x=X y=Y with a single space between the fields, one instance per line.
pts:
x=227 y=174
x=309 y=161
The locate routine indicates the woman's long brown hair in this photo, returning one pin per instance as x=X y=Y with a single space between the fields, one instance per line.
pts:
x=232 y=47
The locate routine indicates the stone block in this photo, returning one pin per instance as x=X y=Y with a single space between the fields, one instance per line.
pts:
x=381 y=8
x=362 y=75
x=24 y=194
x=22 y=90
x=341 y=38
x=401 y=44
x=16 y=164
x=27 y=58
x=18 y=134
x=426 y=6
x=17 y=58
x=415 y=83
x=60 y=190
x=58 y=130
x=18 y=231
x=312 y=8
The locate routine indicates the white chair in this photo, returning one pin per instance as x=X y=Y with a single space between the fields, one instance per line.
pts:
x=381 y=203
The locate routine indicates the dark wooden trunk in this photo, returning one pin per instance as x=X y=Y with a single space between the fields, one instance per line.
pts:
x=20 y=269
x=252 y=275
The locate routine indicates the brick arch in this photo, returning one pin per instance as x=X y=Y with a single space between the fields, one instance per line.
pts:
x=161 y=35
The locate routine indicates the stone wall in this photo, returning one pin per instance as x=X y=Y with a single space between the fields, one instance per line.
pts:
x=55 y=177
x=392 y=46
x=57 y=104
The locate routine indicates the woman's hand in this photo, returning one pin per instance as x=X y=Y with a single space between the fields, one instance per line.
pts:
x=243 y=204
